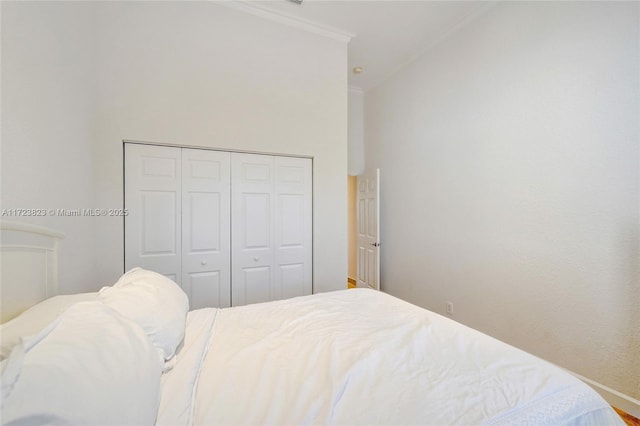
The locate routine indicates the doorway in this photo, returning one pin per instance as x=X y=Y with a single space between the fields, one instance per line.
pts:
x=364 y=230
x=352 y=227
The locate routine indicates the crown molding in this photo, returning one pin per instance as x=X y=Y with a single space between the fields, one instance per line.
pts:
x=287 y=19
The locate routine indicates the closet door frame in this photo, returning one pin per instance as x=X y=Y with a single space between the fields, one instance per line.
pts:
x=308 y=273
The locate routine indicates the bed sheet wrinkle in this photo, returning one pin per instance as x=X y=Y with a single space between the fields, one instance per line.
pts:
x=178 y=386
x=295 y=362
x=308 y=366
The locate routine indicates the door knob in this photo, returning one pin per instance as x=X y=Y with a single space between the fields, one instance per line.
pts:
x=255 y=259
x=204 y=262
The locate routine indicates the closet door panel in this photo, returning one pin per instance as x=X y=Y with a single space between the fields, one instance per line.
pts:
x=293 y=213
x=205 y=290
x=152 y=196
x=254 y=285
x=293 y=282
x=252 y=180
x=206 y=227
x=256 y=220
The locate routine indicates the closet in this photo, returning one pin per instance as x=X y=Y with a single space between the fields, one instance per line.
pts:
x=230 y=228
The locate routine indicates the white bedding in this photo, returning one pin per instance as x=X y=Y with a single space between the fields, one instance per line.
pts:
x=90 y=366
x=361 y=357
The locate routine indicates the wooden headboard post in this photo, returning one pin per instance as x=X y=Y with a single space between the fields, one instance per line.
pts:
x=28 y=266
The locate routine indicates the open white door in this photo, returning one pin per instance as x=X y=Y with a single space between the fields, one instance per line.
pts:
x=369 y=231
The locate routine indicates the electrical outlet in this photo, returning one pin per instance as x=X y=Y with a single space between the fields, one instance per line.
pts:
x=449 y=308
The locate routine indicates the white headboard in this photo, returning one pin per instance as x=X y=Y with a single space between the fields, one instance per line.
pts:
x=28 y=266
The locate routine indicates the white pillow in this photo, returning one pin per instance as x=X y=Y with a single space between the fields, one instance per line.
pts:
x=153 y=301
x=34 y=319
x=91 y=366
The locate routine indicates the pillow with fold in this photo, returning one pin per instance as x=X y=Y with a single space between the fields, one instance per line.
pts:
x=34 y=319
x=154 y=302
x=90 y=366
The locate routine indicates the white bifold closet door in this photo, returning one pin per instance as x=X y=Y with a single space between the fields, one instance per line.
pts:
x=206 y=226
x=153 y=227
x=178 y=222
x=230 y=228
x=271 y=228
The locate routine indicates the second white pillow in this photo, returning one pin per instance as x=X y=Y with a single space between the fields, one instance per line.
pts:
x=155 y=302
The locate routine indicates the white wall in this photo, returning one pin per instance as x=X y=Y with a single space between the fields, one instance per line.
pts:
x=184 y=73
x=356 y=131
x=510 y=161
x=48 y=92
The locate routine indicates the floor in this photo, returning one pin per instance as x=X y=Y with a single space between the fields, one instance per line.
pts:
x=628 y=418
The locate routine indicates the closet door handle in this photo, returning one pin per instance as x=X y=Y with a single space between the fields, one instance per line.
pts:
x=204 y=262
x=255 y=259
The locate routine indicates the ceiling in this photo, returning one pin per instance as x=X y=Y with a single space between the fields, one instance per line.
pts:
x=385 y=34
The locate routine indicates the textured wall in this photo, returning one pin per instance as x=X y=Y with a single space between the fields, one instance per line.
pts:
x=510 y=161
x=48 y=110
x=356 y=132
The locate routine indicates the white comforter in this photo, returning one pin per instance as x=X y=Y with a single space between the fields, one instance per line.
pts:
x=361 y=357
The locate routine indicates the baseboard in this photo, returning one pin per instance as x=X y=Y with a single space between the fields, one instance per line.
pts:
x=613 y=397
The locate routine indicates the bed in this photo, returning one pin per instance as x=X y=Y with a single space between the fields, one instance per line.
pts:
x=134 y=354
